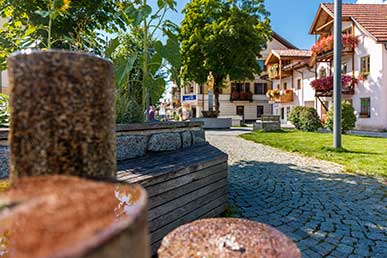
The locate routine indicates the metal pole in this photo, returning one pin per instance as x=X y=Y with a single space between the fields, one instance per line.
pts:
x=337 y=75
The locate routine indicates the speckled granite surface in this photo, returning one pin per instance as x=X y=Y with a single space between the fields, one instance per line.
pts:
x=228 y=238
x=62 y=114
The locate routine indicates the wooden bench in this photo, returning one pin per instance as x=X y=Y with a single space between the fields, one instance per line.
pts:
x=183 y=186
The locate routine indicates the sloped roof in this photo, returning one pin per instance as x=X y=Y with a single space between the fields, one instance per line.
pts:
x=372 y=17
x=288 y=53
x=293 y=53
x=283 y=41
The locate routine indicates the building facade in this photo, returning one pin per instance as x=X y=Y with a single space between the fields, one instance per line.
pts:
x=241 y=100
x=364 y=66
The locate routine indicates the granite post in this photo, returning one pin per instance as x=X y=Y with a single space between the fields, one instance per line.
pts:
x=62 y=109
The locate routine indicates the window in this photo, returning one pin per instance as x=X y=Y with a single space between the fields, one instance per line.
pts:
x=260 y=111
x=299 y=84
x=282 y=113
x=260 y=88
x=239 y=87
x=285 y=85
x=365 y=109
x=247 y=87
x=365 y=65
x=344 y=68
x=240 y=110
x=322 y=73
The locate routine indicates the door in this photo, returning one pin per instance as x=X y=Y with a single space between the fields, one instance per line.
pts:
x=240 y=110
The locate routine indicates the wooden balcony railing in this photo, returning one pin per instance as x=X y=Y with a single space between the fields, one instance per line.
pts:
x=279 y=96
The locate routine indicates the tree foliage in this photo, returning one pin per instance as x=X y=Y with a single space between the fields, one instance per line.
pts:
x=144 y=62
x=26 y=25
x=224 y=38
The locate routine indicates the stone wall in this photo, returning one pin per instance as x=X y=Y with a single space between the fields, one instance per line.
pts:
x=136 y=140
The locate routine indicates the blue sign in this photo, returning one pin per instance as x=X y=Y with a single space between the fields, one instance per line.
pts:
x=189 y=98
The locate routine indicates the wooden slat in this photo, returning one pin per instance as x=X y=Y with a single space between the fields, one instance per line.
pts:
x=185 y=209
x=140 y=170
x=167 y=207
x=185 y=189
x=174 y=183
x=189 y=217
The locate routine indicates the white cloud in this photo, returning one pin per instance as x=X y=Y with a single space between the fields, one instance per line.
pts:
x=371 y=2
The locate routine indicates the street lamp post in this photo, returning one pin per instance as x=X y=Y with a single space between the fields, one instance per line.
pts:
x=337 y=75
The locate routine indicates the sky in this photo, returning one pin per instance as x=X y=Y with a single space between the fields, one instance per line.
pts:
x=289 y=18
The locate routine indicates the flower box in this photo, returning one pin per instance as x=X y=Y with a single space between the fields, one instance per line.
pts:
x=280 y=96
x=325 y=44
x=324 y=86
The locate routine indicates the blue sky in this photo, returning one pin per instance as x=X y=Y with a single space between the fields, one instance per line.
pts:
x=290 y=18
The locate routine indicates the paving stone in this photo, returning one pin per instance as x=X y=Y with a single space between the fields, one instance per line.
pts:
x=326 y=212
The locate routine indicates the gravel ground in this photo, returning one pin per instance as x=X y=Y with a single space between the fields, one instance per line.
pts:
x=326 y=212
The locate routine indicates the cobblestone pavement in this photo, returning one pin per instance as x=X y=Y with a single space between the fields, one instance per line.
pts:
x=326 y=212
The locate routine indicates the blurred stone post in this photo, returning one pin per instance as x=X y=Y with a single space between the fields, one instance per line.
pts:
x=62 y=108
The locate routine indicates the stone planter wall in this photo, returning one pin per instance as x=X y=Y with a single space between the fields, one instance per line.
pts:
x=135 y=140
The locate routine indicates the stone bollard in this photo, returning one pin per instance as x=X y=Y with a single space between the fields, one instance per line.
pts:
x=227 y=238
x=62 y=216
x=63 y=125
x=62 y=110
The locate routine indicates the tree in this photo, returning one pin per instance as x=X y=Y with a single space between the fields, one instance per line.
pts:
x=223 y=38
x=348 y=117
x=142 y=60
x=26 y=25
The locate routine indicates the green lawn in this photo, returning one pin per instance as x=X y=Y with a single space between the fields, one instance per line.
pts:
x=361 y=155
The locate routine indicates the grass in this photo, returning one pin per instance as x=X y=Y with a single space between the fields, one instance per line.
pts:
x=361 y=155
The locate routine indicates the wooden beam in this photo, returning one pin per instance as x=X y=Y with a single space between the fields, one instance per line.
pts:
x=325 y=25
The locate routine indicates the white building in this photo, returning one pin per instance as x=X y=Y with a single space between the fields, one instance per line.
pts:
x=249 y=100
x=365 y=59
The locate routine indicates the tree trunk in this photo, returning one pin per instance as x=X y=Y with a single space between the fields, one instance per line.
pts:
x=217 y=86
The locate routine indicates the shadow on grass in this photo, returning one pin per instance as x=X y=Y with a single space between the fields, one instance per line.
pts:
x=344 y=150
x=308 y=204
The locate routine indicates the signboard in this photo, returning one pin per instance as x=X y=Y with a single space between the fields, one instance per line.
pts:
x=189 y=98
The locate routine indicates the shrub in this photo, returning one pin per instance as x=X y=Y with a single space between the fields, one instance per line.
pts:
x=348 y=117
x=309 y=120
x=305 y=119
x=294 y=116
x=4 y=110
x=128 y=110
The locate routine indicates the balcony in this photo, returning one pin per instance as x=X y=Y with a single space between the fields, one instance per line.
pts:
x=324 y=86
x=241 y=96
x=322 y=51
x=280 y=96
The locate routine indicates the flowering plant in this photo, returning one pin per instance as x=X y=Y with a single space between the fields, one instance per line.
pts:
x=326 y=84
x=235 y=95
x=243 y=96
x=273 y=93
x=325 y=44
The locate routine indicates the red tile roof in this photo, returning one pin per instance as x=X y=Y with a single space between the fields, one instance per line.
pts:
x=372 y=17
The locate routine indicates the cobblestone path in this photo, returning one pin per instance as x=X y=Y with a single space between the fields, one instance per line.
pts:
x=326 y=212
